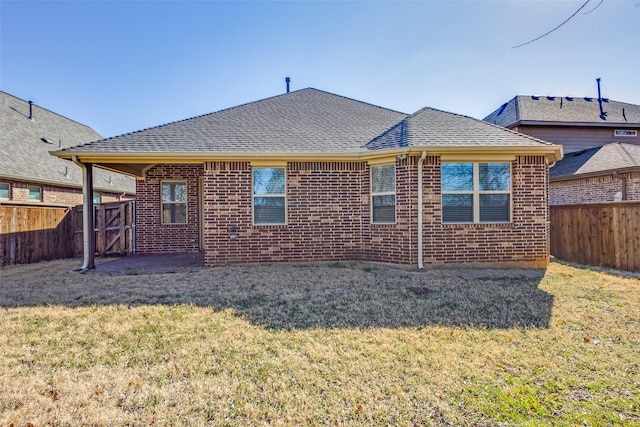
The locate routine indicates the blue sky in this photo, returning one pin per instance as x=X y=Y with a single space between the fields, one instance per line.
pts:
x=121 y=66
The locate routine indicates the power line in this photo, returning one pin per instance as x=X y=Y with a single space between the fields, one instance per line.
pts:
x=551 y=31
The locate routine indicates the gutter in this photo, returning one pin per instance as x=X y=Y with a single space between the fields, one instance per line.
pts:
x=420 y=225
x=103 y=159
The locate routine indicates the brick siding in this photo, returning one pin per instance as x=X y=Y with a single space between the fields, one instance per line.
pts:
x=55 y=195
x=328 y=217
x=525 y=240
x=151 y=235
x=594 y=189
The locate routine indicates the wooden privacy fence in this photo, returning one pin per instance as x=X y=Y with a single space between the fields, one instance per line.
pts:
x=36 y=233
x=114 y=226
x=600 y=234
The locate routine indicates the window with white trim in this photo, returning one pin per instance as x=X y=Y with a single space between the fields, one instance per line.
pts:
x=174 y=202
x=383 y=194
x=269 y=196
x=35 y=193
x=5 y=191
x=476 y=192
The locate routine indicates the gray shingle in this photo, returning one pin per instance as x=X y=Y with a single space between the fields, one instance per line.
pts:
x=25 y=157
x=434 y=128
x=609 y=157
x=311 y=121
x=303 y=121
x=563 y=110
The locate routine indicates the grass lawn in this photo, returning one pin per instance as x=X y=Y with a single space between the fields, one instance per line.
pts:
x=325 y=344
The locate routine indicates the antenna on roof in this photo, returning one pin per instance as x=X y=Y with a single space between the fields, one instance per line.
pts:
x=287 y=80
x=30 y=110
x=603 y=114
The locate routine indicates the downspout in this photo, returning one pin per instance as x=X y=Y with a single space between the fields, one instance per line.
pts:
x=420 y=162
x=88 y=234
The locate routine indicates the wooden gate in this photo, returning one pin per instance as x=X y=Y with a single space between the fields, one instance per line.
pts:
x=114 y=228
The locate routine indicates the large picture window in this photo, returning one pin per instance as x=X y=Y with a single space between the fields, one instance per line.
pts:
x=174 y=202
x=269 y=196
x=383 y=194
x=476 y=192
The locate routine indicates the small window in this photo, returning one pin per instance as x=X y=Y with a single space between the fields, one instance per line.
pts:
x=96 y=198
x=269 y=196
x=174 y=202
x=476 y=192
x=625 y=132
x=383 y=194
x=5 y=191
x=35 y=193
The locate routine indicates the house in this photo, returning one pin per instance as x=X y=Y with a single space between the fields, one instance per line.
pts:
x=599 y=135
x=313 y=176
x=607 y=173
x=30 y=175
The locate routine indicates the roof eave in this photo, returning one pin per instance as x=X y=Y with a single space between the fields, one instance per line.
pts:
x=117 y=160
x=43 y=181
x=575 y=124
x=593 y=174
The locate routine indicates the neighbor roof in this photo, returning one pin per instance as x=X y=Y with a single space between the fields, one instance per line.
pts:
x=304 y=123
x=564 y=110
x=608 y=158
x=25 y=145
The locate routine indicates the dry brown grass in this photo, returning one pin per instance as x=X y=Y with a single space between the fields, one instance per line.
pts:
x=318 y=344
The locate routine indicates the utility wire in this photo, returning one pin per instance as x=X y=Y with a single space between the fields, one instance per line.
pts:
x=551 y=31
x=597 y=6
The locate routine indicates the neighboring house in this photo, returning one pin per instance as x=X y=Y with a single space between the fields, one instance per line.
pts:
x=600 y=138
x=30 y=175
x=313 y=176
x=607 y=173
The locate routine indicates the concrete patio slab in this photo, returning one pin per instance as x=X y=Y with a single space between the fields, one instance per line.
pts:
x=154 y=262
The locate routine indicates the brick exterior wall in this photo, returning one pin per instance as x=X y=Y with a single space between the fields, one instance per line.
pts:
x=633 y=186
x=55 y=195
x=594 y=189
x=151 y=235
x=524 y=241
x=329 y=219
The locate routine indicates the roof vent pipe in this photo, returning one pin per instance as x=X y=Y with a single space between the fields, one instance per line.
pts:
x=287 y=80
x=30 y=110
x=603 y=114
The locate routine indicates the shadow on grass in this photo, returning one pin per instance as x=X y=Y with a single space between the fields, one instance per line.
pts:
x=302 y=296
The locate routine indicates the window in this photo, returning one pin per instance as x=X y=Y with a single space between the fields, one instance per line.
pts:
x=174 y=202
x=35 y=193
x=625 y=132
x=96 y=198
x=383 y=194
x=476 y=192
x=269 y=196
x=5 y=191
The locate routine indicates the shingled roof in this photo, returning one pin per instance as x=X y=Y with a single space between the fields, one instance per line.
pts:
x=304 y=123
x=307 y=120
x=441 y=129
x=564 y=110
x=608 y=158
x=25 y=145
